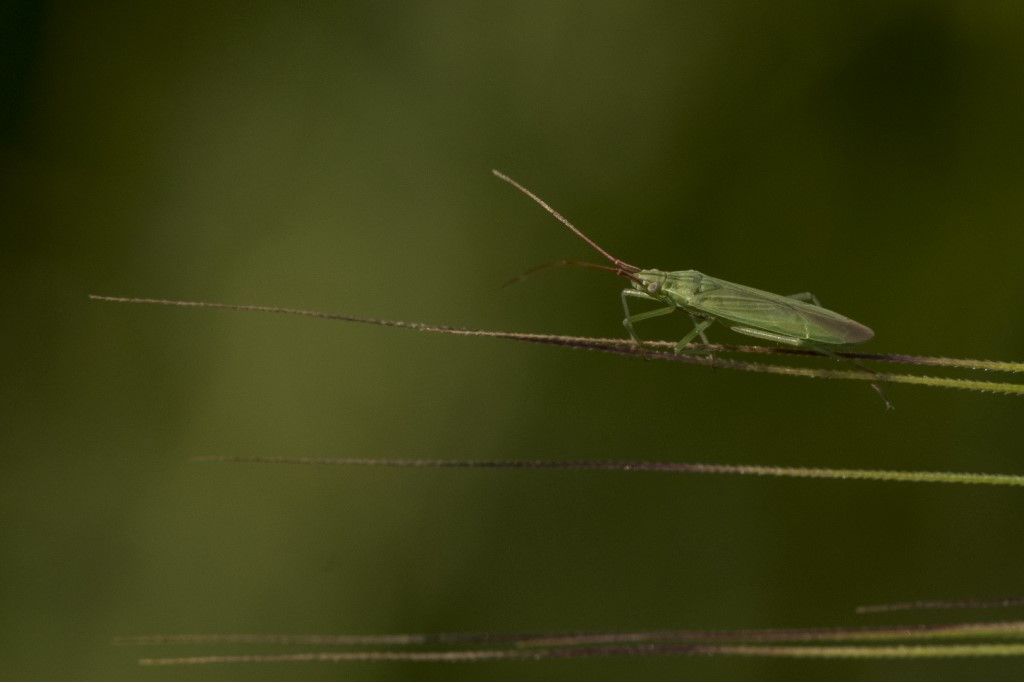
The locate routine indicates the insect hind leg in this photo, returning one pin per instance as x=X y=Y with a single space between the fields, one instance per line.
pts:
x=820 y=348
x=786 y=339
x=876 y=385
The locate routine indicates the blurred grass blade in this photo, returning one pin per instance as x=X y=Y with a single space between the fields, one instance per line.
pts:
x=871 y=651
x=965 y=603
x=911 y=632
x=995 y=649
x=744 y=642
x=642 y=466
x=1012 y=630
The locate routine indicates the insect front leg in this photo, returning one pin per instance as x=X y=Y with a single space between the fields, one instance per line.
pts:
x=805 y=296
x=628 y=321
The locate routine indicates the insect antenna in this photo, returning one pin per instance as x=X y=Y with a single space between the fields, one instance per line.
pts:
x=566 y=263
x=619 y=263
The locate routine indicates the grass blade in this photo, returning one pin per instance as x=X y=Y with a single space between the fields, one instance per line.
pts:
x=658 y=350
x=646 y=466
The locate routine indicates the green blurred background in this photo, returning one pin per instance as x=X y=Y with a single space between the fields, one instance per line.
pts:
x=336 y=156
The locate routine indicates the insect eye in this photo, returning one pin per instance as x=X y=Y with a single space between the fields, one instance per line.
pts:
x=653 y=287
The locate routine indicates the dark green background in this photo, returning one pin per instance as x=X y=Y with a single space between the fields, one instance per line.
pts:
x=336 y=156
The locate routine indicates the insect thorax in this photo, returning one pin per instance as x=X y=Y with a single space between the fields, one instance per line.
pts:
x=675 y=287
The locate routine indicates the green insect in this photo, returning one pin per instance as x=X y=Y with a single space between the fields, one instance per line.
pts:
x=798 y=320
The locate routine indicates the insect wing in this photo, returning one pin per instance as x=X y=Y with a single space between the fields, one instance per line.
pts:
x=774 y=313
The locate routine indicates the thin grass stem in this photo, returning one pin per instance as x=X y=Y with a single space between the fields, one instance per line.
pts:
x=646 y=466
x=658 y=350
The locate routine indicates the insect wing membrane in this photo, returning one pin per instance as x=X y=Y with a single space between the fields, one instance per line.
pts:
x=774 y=313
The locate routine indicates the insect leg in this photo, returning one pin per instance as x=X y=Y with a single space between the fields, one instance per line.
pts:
x=647 y=315
x=770 y=336
x=698 y=330
x=877 y=386
x=628 y=321
x=820 y=348
x=805 y=296
x=701 y=325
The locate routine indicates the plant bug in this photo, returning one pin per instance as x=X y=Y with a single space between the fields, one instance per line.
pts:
x=797 y=320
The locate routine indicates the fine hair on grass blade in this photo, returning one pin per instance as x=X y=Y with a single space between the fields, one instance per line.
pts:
x=659 y=350
x=642 y=466
x=923 y=605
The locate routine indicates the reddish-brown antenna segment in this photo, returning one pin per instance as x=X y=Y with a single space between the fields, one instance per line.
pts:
x=568 y=263
x=619 y=263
